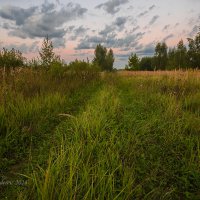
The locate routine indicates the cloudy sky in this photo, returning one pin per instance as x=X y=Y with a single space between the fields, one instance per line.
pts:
x=77 y=27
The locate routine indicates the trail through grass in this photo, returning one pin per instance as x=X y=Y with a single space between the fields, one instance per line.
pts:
x=133 y=140
x=136 y=138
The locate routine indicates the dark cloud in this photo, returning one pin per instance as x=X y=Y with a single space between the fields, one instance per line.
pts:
x=48 y=7
x=111 y=41
x=77 y=32
x=147 y=50
x=107 y=30
x=16 y=14
x=112 y=6
x=117 y=25
x=58 y=42
x=44 y=21
x=120 y=21
x=154 y=19
x=24 y=48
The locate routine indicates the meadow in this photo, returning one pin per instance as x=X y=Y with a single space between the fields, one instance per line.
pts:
x=123 y=135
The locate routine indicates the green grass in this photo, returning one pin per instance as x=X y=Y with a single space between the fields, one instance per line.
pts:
x=133 y=138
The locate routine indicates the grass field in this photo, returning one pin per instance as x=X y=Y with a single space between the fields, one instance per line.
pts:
x=121 y=136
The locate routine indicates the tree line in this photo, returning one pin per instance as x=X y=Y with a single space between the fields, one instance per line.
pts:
x=179 y=57
x=11 y=59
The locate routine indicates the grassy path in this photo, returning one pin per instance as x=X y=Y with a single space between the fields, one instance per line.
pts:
x=135 y=139
x=33 y=149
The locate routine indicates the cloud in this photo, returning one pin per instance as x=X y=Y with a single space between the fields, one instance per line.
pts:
x=118 y=25
x=43 y=21
x=107 y=30
x=24 y=48
x=122 y=57
x=58 y=42
x=135 y=28
x=120 y=21
x=168 y=37
x=47 y=7
x=111 y=41
x=146 y=11
x=152 y=7
x=147 y=50
x=166 y=27
x=143 y=13
x=16 y=14
x=177 y=24
x=112 y=6
x=80 y=31
x=194 y=31
x=153 y=20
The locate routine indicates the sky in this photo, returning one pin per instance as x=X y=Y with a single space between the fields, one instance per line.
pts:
x=76 y=27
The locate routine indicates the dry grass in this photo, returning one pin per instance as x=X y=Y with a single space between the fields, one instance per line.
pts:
x=177 y=73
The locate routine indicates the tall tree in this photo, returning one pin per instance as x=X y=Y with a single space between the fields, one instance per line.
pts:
x=46 y=54
x=133 y=62
x=172 y=61
x=194 y=51
x=110 y=60
x=161 y=56
x=103 y=58
x=146 y=64
x=181 y=55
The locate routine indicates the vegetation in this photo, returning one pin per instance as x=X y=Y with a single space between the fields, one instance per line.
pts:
x=11 y=59
x=133 y=62
x=169 y=59
x=47 y=55
x=103 y=58
x=69 y=132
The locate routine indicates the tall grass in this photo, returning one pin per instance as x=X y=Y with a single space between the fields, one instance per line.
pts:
x=31 y=101
x=136 y=138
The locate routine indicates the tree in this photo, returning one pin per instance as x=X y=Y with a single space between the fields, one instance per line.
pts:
x=133 y=62
x=146 y=64
x=161 y=56
x=46 y=54
x=103 y=58
x=110 y=60
x=172 y=61
x=194 y=51
x=181 y=55
x=11 y=59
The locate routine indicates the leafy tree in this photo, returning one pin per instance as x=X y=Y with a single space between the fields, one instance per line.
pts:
x=11 y=59
x=110 y=60
x=100 y=56
x=103 y=58
x=161 y=56
x=172 y=61
x=133 y=62
x=194 y=51
x=46 y=54
x=146 y=64
x=181 y=55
